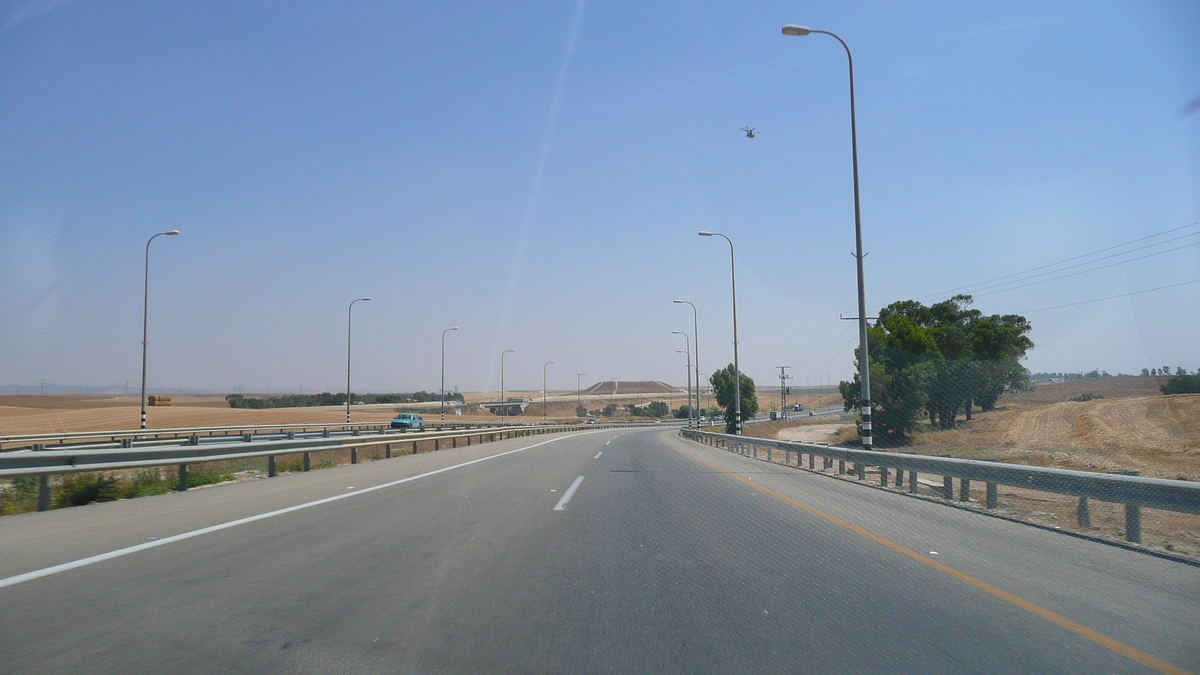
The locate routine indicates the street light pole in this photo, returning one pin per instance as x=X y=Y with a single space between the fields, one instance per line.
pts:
x=349 y=316
x=145 y=322
x=578 y=390
x=444 y=371
x=737 y=373
x=544 y=389
x=688 y=343
x=696 y=347
x=502 y=401
x=864 y=366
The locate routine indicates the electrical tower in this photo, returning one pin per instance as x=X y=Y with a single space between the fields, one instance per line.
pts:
x=784 y=389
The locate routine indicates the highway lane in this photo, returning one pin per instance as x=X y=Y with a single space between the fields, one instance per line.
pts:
x=668 y=557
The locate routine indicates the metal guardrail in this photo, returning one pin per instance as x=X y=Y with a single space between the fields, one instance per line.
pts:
x=46 y=463
x=130 y=436
x=1131 y=490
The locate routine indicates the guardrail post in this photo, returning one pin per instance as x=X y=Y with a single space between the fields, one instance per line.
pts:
x=947 y=487
x=307 y=461
x=787 y=456
x=125 y=443
x=291 y=435
x=414 y=448
x=454 y=442
x=325 y=433
x=912 y=481
x=1083 y=513
x=899 y=477
x=964 y=489
x=841 y=466
x=181 y=485
x=270 y=466
x=43 y=503
x=194 y=439
x=387 y=450
x=861 y=469
x=883 y=476
x=993 y=496
x=247 y=438
x=354 y=455
x=1133 y=523
x=812 y=462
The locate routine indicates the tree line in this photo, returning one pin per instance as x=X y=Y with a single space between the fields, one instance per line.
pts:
x=327 y=399
x=937 y=361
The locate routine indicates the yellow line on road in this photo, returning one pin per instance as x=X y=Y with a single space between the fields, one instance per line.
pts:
x=1053 y=617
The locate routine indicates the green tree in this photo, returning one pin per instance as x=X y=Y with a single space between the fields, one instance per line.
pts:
x=658 y=409
x=1182 y=384
x=901 y=366
x=722 y=383
x=580 y=411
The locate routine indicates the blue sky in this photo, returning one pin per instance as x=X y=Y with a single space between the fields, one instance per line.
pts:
x=535 y=175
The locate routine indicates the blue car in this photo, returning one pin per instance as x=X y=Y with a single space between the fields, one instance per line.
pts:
x=408 y=421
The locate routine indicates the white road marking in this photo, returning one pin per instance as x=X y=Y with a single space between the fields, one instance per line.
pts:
x=121 y=552
x=598 y=454
x=562 y=503
x=608 y=442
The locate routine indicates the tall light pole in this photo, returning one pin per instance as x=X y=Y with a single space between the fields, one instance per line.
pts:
x=502 y=401
x=737 y=373
x=578 y=390
x=349 y=316
x=544 y=388
x=696 y=347
x=145 y=312
x=444 y=371
x=688 y=343
x=864 y=366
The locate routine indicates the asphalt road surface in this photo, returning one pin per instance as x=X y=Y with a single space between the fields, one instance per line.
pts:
x=610 y=551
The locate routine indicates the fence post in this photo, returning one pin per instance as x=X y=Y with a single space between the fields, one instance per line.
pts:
x=43 y=493
x=270 y=466
x=307 y=461
x=1133 y=523
x=182 y=484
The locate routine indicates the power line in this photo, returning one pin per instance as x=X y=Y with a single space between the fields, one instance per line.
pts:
x=815 y=342
x=1060 y=262
x=1123 y=295
x=1094 y=269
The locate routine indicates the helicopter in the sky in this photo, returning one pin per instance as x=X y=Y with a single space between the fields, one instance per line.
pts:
x=749 y=131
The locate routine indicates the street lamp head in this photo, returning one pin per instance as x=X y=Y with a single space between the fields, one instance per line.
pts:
x=172 y=233
x=454 y=328
x=705 y=234
x=793 y=29
x=365 y=299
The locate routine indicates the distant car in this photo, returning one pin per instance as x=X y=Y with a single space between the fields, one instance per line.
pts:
x=658 y=421
x=798 y=407
x=408 y=421
x=591 y=421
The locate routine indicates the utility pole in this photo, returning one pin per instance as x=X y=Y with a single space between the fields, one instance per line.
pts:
x=43 y=386
x=783 y=389
x=127 y=386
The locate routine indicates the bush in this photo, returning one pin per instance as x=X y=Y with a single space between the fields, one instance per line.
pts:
x=1182 y=384
x=78 y=489
x=1086 y=397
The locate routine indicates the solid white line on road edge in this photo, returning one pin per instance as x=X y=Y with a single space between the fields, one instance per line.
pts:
x=121 y=552
x=598 y=454
x=562 y=503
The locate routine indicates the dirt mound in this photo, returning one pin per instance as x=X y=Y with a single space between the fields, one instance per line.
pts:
x=635 y=387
